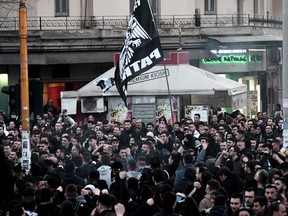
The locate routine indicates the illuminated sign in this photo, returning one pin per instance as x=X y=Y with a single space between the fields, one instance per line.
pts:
x=234 y=59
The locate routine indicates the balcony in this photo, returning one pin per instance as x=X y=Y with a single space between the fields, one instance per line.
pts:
x=120 y=23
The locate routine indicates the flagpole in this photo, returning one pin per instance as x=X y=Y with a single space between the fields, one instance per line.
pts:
x=170 y=98
x=166 y=75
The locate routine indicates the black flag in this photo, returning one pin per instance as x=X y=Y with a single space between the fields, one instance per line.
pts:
x=141 y=49
x=105 y=83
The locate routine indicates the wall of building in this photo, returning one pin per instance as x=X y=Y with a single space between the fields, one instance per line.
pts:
x=226 y=7
x=248 y=7
x=277 y=8
x=111 y=8
x=121 y=8
x=75 y=8
x=172 y=7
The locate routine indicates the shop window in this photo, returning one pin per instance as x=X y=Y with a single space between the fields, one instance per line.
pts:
x=210 y=6
x=61 y=7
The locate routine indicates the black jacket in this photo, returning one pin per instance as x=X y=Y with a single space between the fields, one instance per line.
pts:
x=126 y=135
x=47 y=209
x=107 y=213
x=72 y=178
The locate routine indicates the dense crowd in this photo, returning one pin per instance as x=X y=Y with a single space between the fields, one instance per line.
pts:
x=230 y=165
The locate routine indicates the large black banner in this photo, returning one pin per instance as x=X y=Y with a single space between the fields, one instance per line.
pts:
x=141 y=49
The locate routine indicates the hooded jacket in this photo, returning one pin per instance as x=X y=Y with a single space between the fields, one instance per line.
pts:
x=105 y=174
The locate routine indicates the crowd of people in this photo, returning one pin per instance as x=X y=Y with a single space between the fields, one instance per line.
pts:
x=228 y=166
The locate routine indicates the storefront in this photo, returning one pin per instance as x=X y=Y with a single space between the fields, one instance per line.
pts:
x=252 y=60
x=243 y=66
x=148 y=93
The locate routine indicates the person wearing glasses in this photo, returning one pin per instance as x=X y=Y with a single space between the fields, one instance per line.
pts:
x=223 y=130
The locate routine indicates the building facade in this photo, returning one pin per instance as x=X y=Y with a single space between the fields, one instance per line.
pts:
x=70 y=42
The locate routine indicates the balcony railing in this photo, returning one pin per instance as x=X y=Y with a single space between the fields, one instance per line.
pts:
x=163 y=22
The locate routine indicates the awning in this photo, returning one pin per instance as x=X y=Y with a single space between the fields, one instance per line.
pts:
x=256 y=40
x=183 y=79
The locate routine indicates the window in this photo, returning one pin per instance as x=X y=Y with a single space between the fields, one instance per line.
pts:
x=210 y=7
x=61 y=7
x=154 y=4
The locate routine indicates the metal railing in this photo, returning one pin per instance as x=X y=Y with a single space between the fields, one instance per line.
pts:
x=163 y=22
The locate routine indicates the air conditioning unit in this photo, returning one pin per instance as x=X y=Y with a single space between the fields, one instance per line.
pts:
x=92 y=105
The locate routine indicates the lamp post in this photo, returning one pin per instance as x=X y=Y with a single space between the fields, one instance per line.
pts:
x=24 y=85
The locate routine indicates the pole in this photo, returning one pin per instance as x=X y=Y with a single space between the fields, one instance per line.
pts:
x=170 y=99
x=24 y=67
x=284 y=73
x=24 y=85
x=166 y=73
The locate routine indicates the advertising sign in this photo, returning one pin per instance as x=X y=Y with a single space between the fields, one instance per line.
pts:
x=203 y=110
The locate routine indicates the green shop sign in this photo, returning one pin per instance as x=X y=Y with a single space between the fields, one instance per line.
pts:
x=233 y=59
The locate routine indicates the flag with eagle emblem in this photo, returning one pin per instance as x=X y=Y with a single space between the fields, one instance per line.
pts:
x=141 y=49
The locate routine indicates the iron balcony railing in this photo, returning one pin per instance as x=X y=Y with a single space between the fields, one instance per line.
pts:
x=163 y=22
